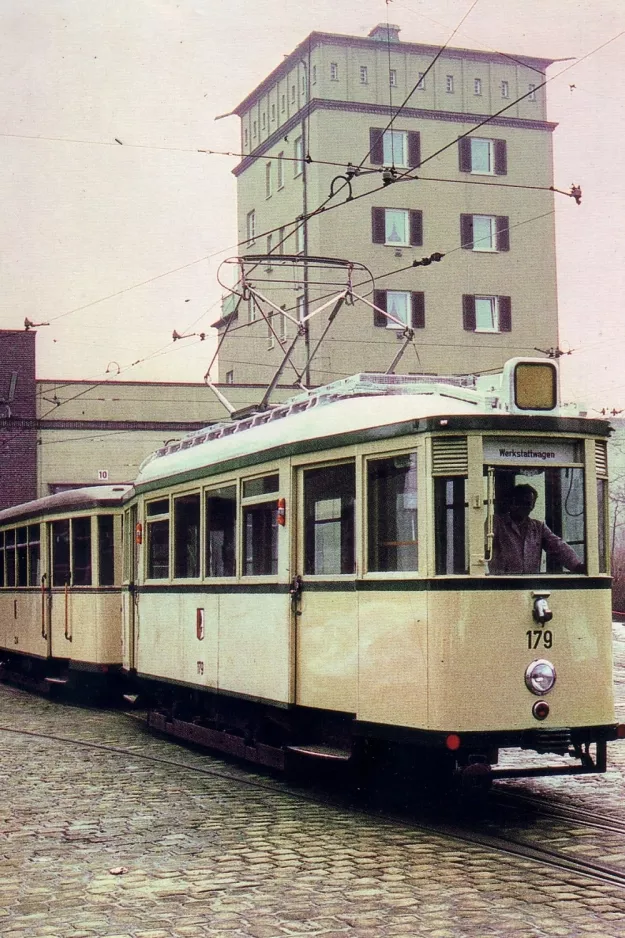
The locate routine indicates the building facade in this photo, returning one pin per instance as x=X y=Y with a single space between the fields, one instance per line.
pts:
x=482 y=201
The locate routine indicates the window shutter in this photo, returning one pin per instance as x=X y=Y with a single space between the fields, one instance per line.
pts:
x=503 y=233
x=378 y=226
x=379 y=299
x=501 y=158
x=466 y=232
x=418 y=310
x=416 y=227
x=468 y=312
x=464 y=155
x=414 y=148
x=505 y=314
x=376 y=152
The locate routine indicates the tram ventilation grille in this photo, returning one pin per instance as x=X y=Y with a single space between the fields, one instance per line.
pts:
x=450 y=456
x=601 y=457
x=557 y=741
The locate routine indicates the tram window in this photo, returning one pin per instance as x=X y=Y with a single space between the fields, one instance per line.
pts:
x=187 y=536
x=10 y=557
x=392 y=514
x=558 y=509
x=22 y=556
x=450 y=499
x=602 y=514
x=221 y=518
x=260 y=539
x=60 y=553
x=158 y=539
x=81 y=551
x=329 y=496
x=106 y=550
x=262 y=486
x=1 y=558
x=34 y=554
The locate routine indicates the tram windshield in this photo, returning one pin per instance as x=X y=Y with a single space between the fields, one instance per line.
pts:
x=535 y=519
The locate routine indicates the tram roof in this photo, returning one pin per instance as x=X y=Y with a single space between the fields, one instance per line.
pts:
x=70 y=500
x=310 y=423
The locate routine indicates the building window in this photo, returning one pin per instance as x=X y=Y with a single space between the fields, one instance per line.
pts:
x=421 y=82
x=255 y=129
x=269 y=248
x=221 y=526
x=505 y=89
x=477 y=86
x=392 y=77
x=299 y=238
x=246 y=137
x=300 y=308
x=271 y=339
x=264 y=120
x=251 y=226
x=273 y=112
x=449 y=84
x=486 y=313
x=293 y=90
x=532 y=93
x=283 y=326
x=187 y=536
x=334 y=71
x=251 y=309
x=329 y=499
x=314 y=75
x=396 y=227
x=304 y=83
x=407 y=308
x=394 y=147
x=281 y=170
x=268 y=182
x=364 y=75
x=230 y=377
x=483 y=157
x=283 y=103
x=485 y=232
x=281 y=239
x=298 y=153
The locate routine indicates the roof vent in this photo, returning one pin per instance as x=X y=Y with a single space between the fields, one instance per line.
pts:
x=385 y=32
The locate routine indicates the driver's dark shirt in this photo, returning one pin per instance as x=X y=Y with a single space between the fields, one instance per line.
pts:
x=518 y=547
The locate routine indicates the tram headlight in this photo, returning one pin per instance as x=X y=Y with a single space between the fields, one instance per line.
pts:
x=540 y=676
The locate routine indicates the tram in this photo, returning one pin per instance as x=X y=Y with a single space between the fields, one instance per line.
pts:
x=317 y=580
x=60 y=589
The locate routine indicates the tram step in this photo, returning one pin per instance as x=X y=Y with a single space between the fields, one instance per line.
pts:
x=55 y=680
x=322 y=752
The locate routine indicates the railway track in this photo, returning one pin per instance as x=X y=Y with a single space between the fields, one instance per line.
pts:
x=525 y=818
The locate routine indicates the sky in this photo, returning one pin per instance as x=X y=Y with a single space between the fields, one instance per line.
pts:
x=117 y=244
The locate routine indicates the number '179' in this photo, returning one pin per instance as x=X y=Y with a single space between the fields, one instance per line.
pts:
x=537 y=638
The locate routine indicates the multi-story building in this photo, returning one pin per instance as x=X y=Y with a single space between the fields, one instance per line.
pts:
x=482 y=200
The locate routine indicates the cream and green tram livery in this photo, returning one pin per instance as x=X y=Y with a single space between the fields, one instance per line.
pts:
x=349 y=575
x=60 y=589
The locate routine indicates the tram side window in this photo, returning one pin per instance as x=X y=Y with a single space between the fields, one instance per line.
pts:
x=329 y=497
x=34 y=554
x=187 y=536
x=602 y=513
x=1 y=558
x=157 y=523
x=106 y=550
x=392 y=514
x=81 y=551
x=260 y=526
x=450 y=499
x=60 y=553
x=22 y=556
x=221 y=520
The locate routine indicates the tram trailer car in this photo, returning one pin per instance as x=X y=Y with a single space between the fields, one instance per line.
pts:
x=60 y=590
x=314 y=580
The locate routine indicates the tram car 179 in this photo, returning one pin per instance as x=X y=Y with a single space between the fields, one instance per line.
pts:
x=60 y=583
x=351 y=575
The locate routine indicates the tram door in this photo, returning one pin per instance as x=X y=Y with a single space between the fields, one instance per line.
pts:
x=129 y=596
x=325 y=607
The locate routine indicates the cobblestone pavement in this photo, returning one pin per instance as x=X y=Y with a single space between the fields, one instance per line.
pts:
x=121 y=845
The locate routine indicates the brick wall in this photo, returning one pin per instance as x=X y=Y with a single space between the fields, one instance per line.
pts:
x=18 y=424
